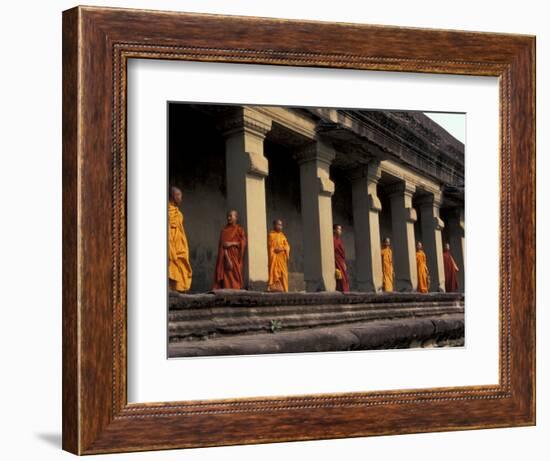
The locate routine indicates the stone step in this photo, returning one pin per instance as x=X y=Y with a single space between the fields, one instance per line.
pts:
x=431 y=331
x=245 y=298
x=205 y=322
x=207 y=312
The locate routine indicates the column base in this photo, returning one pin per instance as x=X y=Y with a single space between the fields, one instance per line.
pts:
x=257 y=285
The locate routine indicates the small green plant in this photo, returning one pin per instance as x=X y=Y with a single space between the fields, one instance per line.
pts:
x=275 y=325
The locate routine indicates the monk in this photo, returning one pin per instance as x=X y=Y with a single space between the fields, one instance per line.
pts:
x=387 y=266
x=422 y=269
x=179 y=267
x=341 y=273
x=278 y=252
x=229 y=265
x=449 y=264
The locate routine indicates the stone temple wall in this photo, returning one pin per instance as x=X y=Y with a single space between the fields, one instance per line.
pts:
x=197 y=163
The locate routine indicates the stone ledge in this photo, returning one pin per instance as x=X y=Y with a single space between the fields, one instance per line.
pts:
x=372 y=335
x=243 y=298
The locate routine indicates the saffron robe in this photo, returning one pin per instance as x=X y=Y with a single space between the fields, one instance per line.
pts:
x=342 y=281
x=387 y=269
x=422 y=270
x=229 y=264
x=451 y=281
x=277 y=262
x=179 y=267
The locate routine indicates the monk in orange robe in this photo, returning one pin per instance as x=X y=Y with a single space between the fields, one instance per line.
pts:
x=179 y=267
x=278 y=252
x=449 y=264
x=341 y=272
x=422 y=269
x=387 y=266
x=229 y=264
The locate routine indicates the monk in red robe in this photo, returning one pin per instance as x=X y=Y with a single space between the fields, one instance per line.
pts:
x=449 y=264
x=229 y=265
x=341 y=273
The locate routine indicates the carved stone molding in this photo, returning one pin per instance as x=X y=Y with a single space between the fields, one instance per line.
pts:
x=316 y=150
x=401 y=187
x=246 y=120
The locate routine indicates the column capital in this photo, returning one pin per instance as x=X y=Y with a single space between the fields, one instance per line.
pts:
x=457 y=216
x=431 y=199
x=370 y=171
x=401 y=188
x=326 y=186
x=257 y=165
x=246 y=120
x=374 y=203
x=410 y=215
x=316 y=150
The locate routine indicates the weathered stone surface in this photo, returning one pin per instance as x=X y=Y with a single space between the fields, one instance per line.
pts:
x=233 y=318
x=235 y=298
x=380 y=334
x=198 y=323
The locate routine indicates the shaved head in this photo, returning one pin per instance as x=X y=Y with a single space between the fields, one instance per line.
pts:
x=232 y=217
x=175 y=195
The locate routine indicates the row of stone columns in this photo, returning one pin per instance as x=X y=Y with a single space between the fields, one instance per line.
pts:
x=246 y=170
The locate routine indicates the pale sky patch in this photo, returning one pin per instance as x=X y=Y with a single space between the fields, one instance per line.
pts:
x=455 y=124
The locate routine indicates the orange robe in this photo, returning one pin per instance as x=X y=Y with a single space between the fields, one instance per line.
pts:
x=229 y=265
x=277 y=262
x=179 y=267
x=423 y=274
x=387 y=269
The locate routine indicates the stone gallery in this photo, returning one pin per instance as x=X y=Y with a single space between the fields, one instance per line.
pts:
x=312 y=229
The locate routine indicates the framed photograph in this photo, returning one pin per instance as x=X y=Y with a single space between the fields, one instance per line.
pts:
x=281 y=230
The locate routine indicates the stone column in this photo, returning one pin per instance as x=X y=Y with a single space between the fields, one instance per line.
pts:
x=455 y=224
x=403 y=243
x=366 y=224
x=431 y=239
x=246 y=169
x=316 y=196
